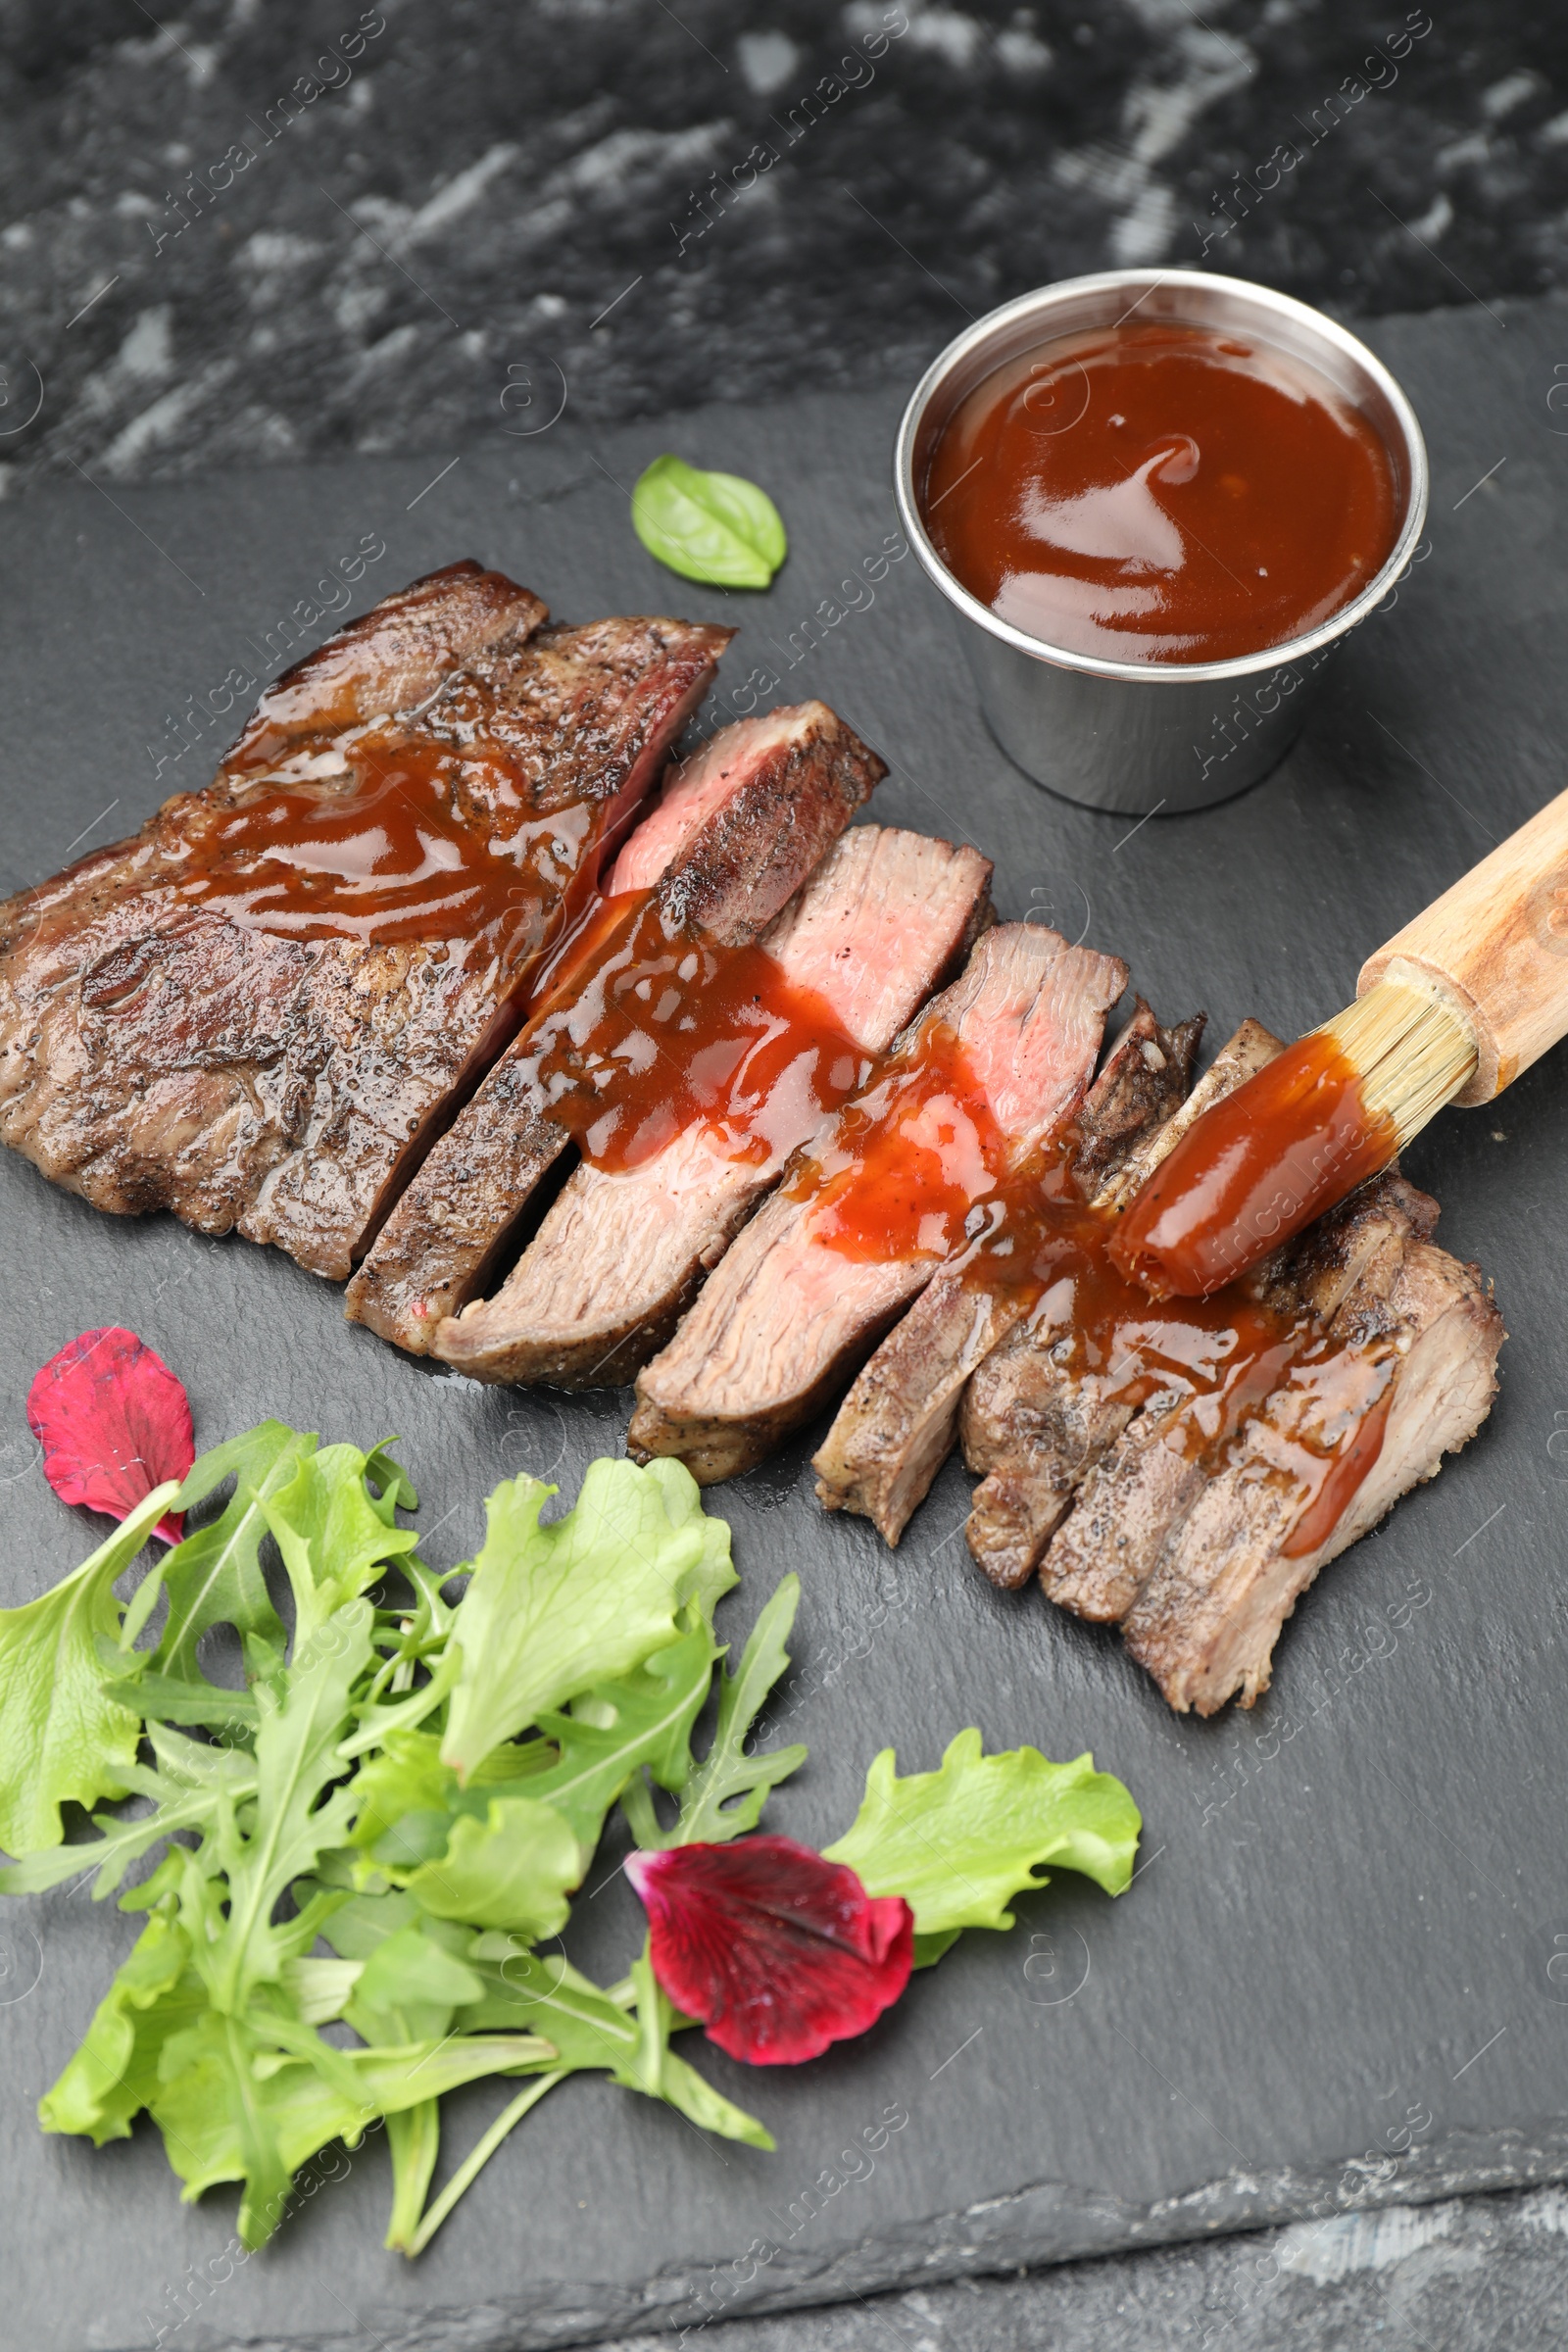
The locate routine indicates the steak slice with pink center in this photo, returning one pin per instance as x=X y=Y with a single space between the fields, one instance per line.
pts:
x=886 y=917
x=741 y=824
x=788 y=1317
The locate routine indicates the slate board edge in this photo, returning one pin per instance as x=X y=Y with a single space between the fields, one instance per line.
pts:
x=1043 y=2224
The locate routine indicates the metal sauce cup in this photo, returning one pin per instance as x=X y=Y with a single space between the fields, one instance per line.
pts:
x=1141 y=736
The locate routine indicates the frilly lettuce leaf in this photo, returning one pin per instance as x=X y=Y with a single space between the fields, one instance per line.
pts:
x=959 y=1842
x=61 y=1735
x=551 y=1611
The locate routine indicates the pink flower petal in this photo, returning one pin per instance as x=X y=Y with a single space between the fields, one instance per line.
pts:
x=776 y=1951
x=113 y=1423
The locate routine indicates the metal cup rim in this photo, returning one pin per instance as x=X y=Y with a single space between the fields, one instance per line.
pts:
x=994 y=325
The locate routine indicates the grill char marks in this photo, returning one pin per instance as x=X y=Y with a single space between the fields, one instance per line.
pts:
x=884 y=920
x=155 y=1052
x=739 y=828
x=786 y=1319
x=1033 y=1427
x=899 y=1422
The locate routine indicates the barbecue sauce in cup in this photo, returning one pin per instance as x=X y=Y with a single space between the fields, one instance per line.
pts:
x=1161 y=493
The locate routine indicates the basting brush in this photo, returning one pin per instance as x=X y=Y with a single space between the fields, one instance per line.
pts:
x=1450 y=1010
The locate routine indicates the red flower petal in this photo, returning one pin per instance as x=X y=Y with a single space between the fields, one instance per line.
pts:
x=776 y=1950
x=113 y=1423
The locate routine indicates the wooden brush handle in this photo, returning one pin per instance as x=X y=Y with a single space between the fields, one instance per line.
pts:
x=1497 y=945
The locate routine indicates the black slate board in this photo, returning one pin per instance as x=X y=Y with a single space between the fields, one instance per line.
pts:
x=1347 y=1899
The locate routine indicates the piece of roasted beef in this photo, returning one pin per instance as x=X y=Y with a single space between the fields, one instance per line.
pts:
x=256 y=1011
x=887 y=918
x=788 y=1316
x=739 y=828
x=1035 y=1419
x=1412 y=1376
x=899 y=1422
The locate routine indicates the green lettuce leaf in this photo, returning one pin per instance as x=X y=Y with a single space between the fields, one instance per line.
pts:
x=296 y=1759
x=231 y=2108
x=725 y=1794
x=959 y=1842
x=113 y=2075
x=515 y=1869
x=553 y=1611
x=61 y=1735
x=716 y=528
x=189 y=1785
x=333 y=1536
x=214 y=1576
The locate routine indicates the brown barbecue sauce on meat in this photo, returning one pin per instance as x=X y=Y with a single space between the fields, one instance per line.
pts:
x=1159 y=492
x=390 y=861
x=644 y=1036
x=1256 y=1168
x=920 y=1168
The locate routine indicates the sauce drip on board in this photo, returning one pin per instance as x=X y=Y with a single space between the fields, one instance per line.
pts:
x=388 y=860
x=645 y=1037
x=1161 y=493
x=1253 y=1171
x=919 y=1167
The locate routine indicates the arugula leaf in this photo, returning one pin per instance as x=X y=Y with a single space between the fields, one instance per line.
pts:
x=551 y=1611
x=214 y=1576
x=189 y=1784
x=165 y=1698
x=726 y=1792
x=295 y=1760
x=642 y=1721
x=715 y=528
x=331 y=1535
x=959 y=1842
x=542 y=1993
x=515 y=1869
x=61 y=1733
x=230 y=2109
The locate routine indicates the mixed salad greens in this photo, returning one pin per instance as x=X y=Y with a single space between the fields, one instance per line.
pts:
x=366 y=1855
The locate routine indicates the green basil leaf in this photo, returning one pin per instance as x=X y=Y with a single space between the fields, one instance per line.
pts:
x=715 y=528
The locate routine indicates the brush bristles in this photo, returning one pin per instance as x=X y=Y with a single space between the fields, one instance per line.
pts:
x=1412 y=1050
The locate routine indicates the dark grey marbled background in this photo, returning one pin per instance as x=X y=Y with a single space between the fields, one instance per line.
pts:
x=204 y=262
x=497 y=205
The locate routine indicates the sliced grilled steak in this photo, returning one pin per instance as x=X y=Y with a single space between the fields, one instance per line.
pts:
x=786 y=1318
x=393 y=657
x=1208 y=1621
x=897 y=1424
x=1034 y=1422
x=253 y=1012
x=1146 y=1079
x=1136 y=1494
x=739 y=827
x=886 y=917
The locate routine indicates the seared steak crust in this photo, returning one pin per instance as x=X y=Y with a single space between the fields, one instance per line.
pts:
x=786 y=1320
x=393 y=657
x=897 y=1424
x=1146 y=1079
x=741 y=827
x=155 y=1052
